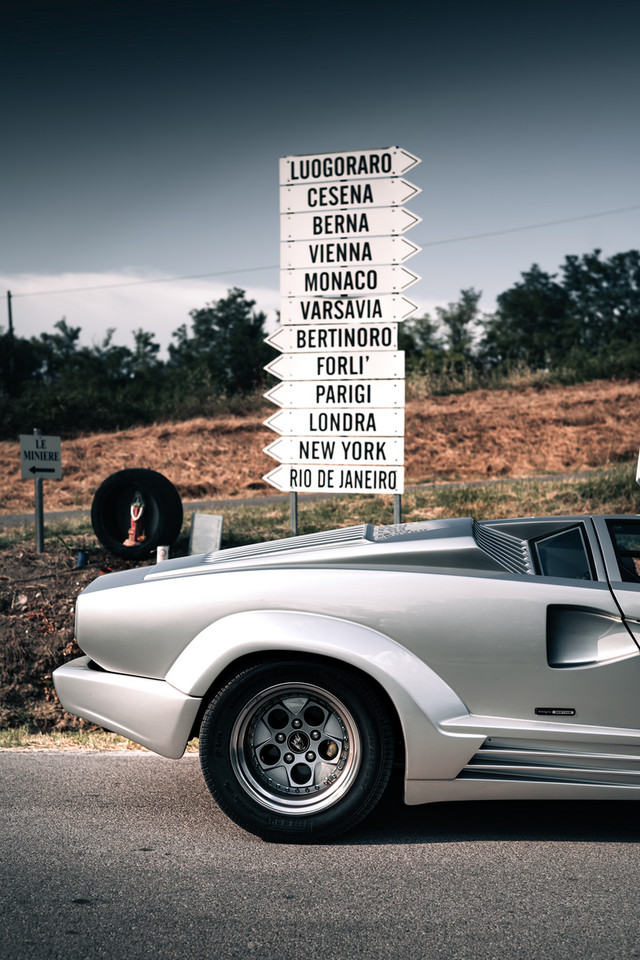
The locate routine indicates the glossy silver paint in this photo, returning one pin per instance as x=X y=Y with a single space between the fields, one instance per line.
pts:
x=450 y=618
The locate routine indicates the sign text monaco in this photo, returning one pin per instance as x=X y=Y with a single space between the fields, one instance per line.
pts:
x=383 y=279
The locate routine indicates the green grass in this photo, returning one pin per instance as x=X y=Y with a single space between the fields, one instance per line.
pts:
x=605 y=491
x=610 y=490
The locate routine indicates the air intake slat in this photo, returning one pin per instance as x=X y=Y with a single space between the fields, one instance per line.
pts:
x=549 y=762
x=322 y=539
x=506 y=549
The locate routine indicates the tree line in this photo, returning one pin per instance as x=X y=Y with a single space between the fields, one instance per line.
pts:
x=579 y=324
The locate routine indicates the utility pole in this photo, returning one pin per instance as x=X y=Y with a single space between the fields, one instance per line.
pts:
x=10 y=344
x=10 y=314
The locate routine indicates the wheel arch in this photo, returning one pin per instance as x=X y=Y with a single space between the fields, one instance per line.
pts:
x=277 y=656
x=418 y=698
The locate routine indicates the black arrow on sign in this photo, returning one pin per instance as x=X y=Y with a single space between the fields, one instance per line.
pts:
x=42 y=469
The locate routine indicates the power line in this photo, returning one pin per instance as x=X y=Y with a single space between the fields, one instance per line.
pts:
x=272 y=266
x=532 y=226
x=137 y=283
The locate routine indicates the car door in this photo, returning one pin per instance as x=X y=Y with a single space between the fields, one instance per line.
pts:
x=548 y=644
x=619 y=539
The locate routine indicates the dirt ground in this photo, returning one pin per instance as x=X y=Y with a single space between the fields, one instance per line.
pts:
x=37 y=597
x=476 y=435
x=471 y=436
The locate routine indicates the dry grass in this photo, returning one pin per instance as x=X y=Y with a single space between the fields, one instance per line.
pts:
x=24 y=740
x=531 y=430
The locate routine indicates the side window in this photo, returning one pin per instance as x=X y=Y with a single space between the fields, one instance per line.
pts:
x=625 y=535
x=563 y=554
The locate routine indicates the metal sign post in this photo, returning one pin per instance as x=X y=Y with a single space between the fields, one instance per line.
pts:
x=40 y=459
x=341 y=389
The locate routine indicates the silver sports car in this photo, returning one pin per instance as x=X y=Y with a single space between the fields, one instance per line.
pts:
x=485 y=660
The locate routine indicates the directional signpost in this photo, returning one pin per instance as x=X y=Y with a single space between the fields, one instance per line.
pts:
x=40 y=459
x=342 y=282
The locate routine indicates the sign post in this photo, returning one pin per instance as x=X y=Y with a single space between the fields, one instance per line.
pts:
x=343 y=280
x=40 y=459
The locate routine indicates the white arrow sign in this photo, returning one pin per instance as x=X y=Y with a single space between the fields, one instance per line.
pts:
x=377 y=365
x=341 y=336
x=335 y=423
x=40 y=457
x=382 y=309
x=345 y=252
x=383 y=221
x=381 y=451
x=353 y=280
x=314 y=393
x=389 y=161
x=386 y=192
x=345 y=479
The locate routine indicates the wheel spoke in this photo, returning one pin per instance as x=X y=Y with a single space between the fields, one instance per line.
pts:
x=293 y=747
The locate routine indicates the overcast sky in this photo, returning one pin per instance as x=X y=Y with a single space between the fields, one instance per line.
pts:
x=141 y=140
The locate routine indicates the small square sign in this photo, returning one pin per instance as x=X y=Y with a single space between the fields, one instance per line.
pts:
x=40 y=457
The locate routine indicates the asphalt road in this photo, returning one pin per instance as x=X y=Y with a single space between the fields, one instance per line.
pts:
x=126 y=856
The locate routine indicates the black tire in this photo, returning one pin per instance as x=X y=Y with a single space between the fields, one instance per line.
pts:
x=110 y=512
x=296 y=751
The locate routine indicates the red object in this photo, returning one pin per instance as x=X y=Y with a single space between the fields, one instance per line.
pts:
x=136 y=528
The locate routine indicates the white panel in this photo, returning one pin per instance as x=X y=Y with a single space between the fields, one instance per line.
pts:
x=383 y=451
x=354 y=165
x=338 y=366
x=338 y=422
x=321 y=393
x=387 y=307
x=354 y=280
x=340 y=336
x=382 y=221
x=342 y=479
x=336 y=253
x=347 y=195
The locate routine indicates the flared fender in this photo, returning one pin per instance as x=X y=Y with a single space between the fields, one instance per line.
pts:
x=422 y=700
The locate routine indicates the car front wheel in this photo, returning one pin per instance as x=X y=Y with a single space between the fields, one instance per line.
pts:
x=295 y=751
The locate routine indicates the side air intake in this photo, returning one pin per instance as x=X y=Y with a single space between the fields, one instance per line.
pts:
x=506 y=549
x=323 y=539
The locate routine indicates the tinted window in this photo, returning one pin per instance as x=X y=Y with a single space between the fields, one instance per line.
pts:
x=625 y=535
x=563 y=554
